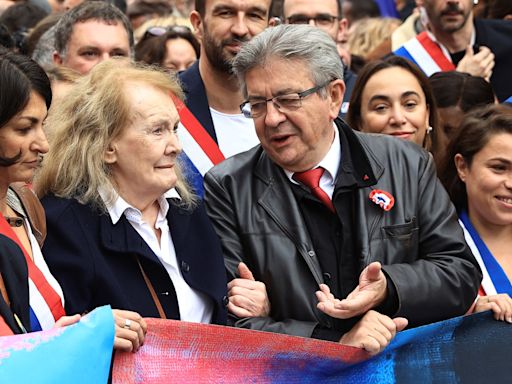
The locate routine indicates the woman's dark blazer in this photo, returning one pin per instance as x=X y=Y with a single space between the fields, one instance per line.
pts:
x=13 y=268
x=95 y=261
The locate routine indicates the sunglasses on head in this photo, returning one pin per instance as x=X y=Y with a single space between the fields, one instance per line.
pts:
x=159 y=31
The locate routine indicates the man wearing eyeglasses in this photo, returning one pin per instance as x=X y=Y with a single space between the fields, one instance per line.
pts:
x=319 y=211
x=326 y=15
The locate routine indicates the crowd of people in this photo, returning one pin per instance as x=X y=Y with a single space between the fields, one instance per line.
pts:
x=269 y=165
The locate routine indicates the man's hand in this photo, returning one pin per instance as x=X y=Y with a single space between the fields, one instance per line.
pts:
x=370 y=292
x=247 y=297
x=501 y=306
x=373 y=332
x=479 y=64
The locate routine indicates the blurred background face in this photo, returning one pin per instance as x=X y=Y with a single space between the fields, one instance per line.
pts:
x=448 y=16
x=179 y=54
x=393 y=103
x=325 y=12
x=143 y=158
x=92 y=42
x=489 y=181
x=24 y=135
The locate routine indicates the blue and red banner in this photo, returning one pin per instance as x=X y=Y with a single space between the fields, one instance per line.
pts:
x=472 y=349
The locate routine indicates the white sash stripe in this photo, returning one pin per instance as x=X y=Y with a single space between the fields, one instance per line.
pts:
x=193 y=150
x=39 y=306
x=422 y=57
x=487 y=284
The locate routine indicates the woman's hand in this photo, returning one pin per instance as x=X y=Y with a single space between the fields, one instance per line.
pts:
x=64 y=321
x=501 y=306
x=247 y=297
x=130 y=330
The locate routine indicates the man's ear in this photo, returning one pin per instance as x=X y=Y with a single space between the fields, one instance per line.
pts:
x=110 y=155
x=342 y=36
x=197 y=25
x=57 y=59
x=336 y=91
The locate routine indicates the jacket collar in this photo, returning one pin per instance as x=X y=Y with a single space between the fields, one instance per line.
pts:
x=196 y=99
x=361 y=162
x=123 y=238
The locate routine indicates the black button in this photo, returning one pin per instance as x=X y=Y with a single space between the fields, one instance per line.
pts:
x=225 y=301
x=327 y=277
x=185 y=267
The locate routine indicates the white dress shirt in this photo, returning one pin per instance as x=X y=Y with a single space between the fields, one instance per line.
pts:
x=330 y=163
x=194 y=306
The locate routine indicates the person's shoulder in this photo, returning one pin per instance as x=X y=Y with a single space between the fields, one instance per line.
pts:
x=55 y=206
x=493 y=25
x=238 y=165
x=389 y=147
x=189 y=75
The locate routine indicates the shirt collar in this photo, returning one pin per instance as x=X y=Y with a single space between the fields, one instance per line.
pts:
x=118 y=208
x=330 y=162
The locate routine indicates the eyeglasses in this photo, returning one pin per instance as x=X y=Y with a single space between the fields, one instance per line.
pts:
x=284 y=103
x=321 y=20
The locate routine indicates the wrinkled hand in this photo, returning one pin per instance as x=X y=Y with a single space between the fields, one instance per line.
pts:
x=373 y=332
x=501 y=306
x=247 y=297
x=129 y=339
x=370 y=292
x=64 y=321
x=479 y=64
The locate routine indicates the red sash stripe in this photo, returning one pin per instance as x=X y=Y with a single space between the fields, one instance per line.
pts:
x=51 y=297
x=4 y=328
x=194 y=127
x=435 y=51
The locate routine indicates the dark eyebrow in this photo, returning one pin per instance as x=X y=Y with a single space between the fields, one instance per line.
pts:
x=255 y=9
x=282 y=92
x=32 y=119
x=501 y=159
x=378 y=97
x=410 y=93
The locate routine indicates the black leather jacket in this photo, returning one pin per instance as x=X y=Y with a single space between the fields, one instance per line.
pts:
x=419 y=241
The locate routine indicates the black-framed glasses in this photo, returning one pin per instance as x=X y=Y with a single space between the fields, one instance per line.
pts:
x=321 y=19
x=284 y=103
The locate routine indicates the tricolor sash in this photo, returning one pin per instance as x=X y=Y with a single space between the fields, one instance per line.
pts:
x=494 y=278
x=202 y=152
x=45 y=304
x=426 y=54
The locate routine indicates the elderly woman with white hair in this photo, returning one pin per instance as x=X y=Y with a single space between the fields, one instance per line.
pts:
x=123 y=226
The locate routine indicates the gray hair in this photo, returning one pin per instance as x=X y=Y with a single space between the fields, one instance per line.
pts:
x=89 y=10
x=295 y=43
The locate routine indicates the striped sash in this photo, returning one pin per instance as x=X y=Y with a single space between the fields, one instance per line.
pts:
x=426 y=54
x=45 y=304
x=202 y=152
x=494 y=278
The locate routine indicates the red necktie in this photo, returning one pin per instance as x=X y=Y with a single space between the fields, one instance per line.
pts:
x=311 y=179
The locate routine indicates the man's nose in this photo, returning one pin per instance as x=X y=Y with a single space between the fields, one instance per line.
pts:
x=239 y=26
